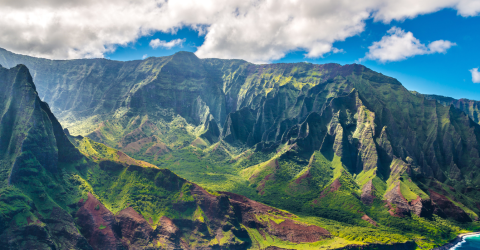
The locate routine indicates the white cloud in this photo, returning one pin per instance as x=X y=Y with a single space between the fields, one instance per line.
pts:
x=475 y=75
x=155 y=43
x=336 y=50
x=144 y=56
x=399 y=45
x=255 y=30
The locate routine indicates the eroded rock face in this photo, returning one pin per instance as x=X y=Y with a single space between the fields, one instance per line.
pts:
x=446 y=208
x=167 y=233
x=400 y=207
x=97 y=224
x=249 y=212
x=368 y=196
x=134 y=230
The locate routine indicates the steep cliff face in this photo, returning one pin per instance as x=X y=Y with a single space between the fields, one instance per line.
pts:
x=340 y=142
x=33 y=146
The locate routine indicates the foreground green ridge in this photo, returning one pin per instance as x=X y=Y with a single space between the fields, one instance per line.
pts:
x=342 y=147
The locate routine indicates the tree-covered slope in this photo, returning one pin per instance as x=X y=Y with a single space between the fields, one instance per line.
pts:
x=324 y=141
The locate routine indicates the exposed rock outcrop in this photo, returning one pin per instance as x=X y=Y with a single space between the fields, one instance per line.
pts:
x=368 y=194
x=98 y=225
x=446 y=208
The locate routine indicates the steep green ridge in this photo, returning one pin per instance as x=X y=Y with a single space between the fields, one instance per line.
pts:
x=33 y=150
x=324 y=141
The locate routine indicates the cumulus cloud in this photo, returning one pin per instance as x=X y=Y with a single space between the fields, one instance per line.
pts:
x=144 y=56
x=255 y=30
x=336 y=50
x=399 y=45
x=155 y=43
x=475 y=75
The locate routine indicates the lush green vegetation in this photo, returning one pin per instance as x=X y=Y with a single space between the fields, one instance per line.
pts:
x=345 y=148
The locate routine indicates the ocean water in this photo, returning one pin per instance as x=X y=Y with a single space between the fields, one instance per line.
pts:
x=468 y=243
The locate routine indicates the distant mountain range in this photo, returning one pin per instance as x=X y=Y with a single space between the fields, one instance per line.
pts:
x=354 y=157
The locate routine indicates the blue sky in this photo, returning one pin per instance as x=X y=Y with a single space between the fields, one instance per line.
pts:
x=438 y=73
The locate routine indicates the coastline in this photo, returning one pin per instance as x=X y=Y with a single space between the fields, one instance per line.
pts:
x=455 y=241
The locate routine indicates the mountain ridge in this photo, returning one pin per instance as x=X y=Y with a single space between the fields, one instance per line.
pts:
x=59 y=191
x=342 y=142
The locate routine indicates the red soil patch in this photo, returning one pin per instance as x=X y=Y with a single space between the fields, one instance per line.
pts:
x=262 y=184
x=90 y=219
x=270 y=165
x=257 y=206
x=125 y=158
x=333 y=187
x=391 y=210
x=399 y=192
x=29 y=221
x=133 y=227
x=215 y=148
x=167 y=227
x=135 y=135
x=197 y=142
x=417 y=200
x=158 y=149
x=136 y=146
x=304 y=176
x=297 y=233
x=130 y=213
x=369 y=220
x=398 y=205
